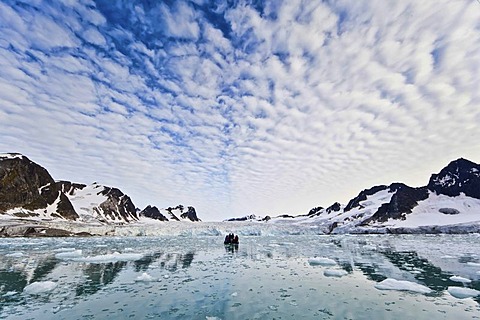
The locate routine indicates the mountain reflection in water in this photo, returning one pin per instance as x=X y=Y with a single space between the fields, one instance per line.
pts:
x=198 y=274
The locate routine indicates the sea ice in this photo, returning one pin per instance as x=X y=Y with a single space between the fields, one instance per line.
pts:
x=322 y=261
x=40 y=287
x=334 y=273
x=10 y=293
x=460 y=279
x=145 y=277
x=64 y=249
x=473 y=264
x=400 y=285
x=14 y=255
x=69 y=255
x=112 y=257
x=447 y=257
x=462 y=293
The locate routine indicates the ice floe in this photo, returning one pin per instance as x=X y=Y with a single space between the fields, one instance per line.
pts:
x=321 y=261
x=460 y=279
x=14 y=255
x=447 y=257
x=64 y=249
x=112 y=257
x=473 y=264
x=401 y=285
x=463 y=293
x=69 y=255
x=40 y=287
x=334 y=273
x=145 y=277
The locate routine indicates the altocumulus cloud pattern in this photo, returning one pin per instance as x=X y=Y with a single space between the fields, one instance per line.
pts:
x=240 y=107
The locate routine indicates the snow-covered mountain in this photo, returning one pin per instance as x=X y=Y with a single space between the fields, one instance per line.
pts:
x=96 y=202
x=175 y=214
x=28 y=191
x=449 y=203
x=250 y=217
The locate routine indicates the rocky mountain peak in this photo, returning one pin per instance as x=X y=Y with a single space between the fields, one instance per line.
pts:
x=28 y=189
x=190 y=214
x=152 y=212
x=362 y=196
x=459 y=176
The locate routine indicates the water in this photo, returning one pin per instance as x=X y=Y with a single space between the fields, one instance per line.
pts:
x=264 y=278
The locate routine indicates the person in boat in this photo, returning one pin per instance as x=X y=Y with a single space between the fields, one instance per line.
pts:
x=231 y=239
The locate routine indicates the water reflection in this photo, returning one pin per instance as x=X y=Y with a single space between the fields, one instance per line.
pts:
x=143 y=263
x=206 y=276
x=232 y=248
x=187 y=259
x=171 y=261
x=370 y=272
x=422 y=270
x=98 y=276
x=11 y=282
x=18 y=272
x=44 y=267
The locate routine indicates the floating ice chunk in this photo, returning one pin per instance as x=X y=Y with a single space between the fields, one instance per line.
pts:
x=400 y=285
x=322 y=261
x=473 y=264
x=145 y=277
x=234 y=294
x=40 y=287
x=69 y=255
x=113 y=257
x=64 y=249
x=334 y=273
x=447 y=257
x=10 y=293
x=478 y=272
x=14 y=255
x=462 y=293
x=213 y=318
x=460 y=279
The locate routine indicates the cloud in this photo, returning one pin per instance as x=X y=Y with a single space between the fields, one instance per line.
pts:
x=243 y=108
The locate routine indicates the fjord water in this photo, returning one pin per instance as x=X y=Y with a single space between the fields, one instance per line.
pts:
x=284 y=277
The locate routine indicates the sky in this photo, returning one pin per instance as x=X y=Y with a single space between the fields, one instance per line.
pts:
x=241 y=107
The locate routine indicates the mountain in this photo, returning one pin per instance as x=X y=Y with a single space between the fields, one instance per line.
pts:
x=27 y=190
x=178 y=213
x=96 y=202
x=460 y=176
x=250 y=217
x=450 y=202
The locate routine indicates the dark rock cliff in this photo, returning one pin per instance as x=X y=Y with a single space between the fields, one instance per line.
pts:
x=24 y=184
